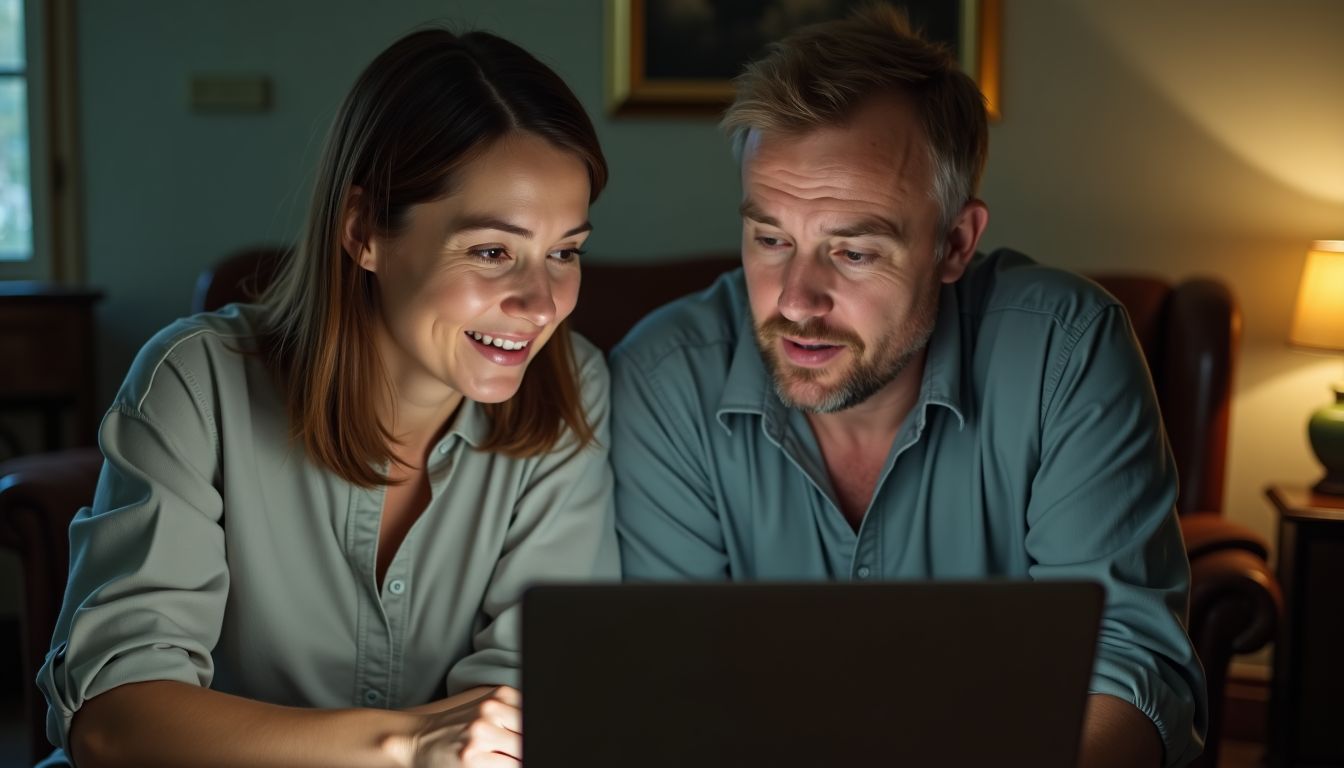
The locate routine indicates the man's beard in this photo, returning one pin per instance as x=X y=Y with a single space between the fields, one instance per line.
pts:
x=867 y=374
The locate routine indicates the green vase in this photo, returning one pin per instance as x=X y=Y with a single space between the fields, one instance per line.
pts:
x=1326 y=430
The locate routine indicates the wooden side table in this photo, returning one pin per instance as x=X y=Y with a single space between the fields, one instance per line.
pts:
x=47 y=357
x=1306 y=718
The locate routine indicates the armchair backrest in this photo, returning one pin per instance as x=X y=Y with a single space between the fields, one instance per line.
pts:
x=240 y=277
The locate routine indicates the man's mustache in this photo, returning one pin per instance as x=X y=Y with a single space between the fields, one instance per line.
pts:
x=813 y=330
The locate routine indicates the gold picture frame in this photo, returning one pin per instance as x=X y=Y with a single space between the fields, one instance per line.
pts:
x=632 y=90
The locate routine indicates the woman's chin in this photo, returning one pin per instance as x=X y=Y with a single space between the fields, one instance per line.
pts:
x=488 y=393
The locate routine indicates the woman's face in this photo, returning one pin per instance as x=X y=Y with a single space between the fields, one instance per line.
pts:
x=478 y=281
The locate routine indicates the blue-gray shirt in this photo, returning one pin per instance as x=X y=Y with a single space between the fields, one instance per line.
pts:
x=1035 y=450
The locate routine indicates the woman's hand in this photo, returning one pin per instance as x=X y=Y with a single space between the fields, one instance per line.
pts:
x=484 y=732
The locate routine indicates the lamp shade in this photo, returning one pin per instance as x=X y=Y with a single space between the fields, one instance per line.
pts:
x=1318 y=320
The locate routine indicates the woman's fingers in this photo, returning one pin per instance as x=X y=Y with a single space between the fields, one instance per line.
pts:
x=481 y=733
x=503 y=714
x=509 y=695
x=492 y=760
x=488 y=742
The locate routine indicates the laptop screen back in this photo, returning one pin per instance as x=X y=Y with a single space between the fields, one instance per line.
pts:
x=706 y=675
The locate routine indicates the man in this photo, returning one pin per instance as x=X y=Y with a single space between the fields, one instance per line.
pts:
x=868 y=399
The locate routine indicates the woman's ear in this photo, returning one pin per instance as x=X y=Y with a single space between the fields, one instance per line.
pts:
x=354 y=232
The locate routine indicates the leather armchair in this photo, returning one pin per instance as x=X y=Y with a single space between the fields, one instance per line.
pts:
x=1189 y=334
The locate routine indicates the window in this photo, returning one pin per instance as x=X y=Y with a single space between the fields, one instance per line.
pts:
x=16 y=210
x=39 y=212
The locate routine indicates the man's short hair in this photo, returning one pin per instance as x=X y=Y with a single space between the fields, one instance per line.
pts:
x=821 y=74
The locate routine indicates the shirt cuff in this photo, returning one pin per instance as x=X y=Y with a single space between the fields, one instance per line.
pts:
x=1169 y=704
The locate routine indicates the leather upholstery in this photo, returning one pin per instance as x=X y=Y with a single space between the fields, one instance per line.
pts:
x=39 y=494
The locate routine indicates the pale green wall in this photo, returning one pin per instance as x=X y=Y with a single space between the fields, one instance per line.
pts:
x=1176 y=138
x=168 y=191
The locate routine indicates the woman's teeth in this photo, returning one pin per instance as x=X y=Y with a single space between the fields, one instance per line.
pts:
x=501 y=343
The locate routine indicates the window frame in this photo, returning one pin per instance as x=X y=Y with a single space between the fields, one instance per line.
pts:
x=49 y=72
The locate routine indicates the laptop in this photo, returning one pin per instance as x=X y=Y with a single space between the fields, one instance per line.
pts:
x=715 y=675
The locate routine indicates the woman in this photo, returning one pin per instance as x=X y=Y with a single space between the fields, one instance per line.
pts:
x=317 y=514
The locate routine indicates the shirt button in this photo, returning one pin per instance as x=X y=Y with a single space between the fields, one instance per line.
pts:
x=372 y=696
x=863 y=572
x=396 y=586
x=443 y=449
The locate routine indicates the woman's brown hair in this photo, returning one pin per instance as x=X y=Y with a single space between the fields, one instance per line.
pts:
x=418 y=113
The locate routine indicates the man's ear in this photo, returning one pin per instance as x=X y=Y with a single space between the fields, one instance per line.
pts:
x=355 y=238
x=962 y=239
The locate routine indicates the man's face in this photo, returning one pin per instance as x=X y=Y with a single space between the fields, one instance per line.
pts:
x=839 y=246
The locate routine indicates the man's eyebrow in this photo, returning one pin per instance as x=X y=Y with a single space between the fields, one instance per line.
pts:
x=492 y=222
x=750 y=210
x=870 y=225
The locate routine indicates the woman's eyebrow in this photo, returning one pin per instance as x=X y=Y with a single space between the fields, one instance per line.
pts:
x=496 y=223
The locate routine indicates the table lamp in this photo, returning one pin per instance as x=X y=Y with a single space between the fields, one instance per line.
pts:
x=1318 y=323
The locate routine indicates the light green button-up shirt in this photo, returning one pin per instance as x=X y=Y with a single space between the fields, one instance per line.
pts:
x=217 y=554
x=1035 y=450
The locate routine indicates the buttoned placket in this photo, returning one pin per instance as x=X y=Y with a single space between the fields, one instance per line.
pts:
x=385 y=616
x=789 y=431
x=373 y=649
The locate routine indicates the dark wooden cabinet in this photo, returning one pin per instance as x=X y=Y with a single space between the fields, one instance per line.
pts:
x=1306 y=720
x=47 y=360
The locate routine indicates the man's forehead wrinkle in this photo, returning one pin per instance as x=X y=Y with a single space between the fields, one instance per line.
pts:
x=820 y=179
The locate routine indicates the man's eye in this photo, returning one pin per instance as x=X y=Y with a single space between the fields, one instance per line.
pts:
x=770 y=242
x=856 y=257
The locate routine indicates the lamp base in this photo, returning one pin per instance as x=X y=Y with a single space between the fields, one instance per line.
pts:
x=1326 y=430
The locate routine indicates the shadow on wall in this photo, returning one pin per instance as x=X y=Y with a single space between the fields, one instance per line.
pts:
x=1099 y=164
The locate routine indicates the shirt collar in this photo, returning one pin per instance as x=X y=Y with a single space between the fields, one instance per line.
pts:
x=471 y=423
x=749 y=388
x=942 y=366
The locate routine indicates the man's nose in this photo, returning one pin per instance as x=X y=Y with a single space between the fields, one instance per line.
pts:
x=805 y=291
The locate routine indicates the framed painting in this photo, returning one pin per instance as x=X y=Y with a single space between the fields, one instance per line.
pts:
x=675 y=57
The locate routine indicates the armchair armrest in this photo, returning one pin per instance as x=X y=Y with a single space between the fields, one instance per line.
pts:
x=1207 y=532
x=1235 y=601
x=1235 y=606
x=39 y=494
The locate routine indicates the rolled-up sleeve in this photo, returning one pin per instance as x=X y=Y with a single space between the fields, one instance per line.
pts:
x=1103 y=508
x=148 y=578
x=561 y=530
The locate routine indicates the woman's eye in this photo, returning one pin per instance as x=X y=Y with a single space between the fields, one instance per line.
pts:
x=490 y=254
x=567 y=254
